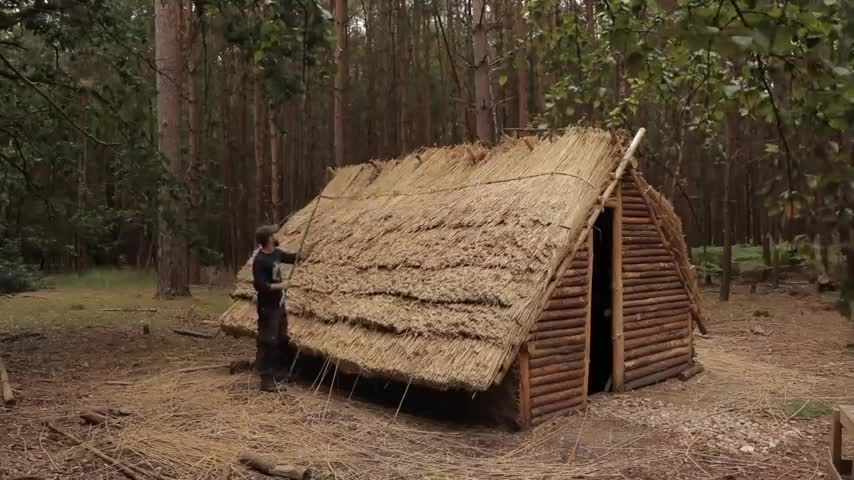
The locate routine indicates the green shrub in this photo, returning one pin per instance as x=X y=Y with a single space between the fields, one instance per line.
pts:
x=15 y=275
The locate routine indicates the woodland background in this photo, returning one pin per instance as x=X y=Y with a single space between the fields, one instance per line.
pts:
x=161 y=133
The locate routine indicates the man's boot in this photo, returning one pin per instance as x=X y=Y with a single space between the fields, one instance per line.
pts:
x=268 y=384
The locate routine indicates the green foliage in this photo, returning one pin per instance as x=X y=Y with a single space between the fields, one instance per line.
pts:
x=807 y=408
x=15 y=275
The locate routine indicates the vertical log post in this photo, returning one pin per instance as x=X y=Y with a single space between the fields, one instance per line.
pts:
x=617 y=346
x=524 y=388
x=590 y=264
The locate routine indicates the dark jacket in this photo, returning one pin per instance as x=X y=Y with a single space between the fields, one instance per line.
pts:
x=265 y=271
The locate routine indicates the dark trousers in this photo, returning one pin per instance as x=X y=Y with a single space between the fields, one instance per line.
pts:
x=272 y=355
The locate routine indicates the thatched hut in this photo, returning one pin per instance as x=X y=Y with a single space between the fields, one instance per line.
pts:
x=547 y=268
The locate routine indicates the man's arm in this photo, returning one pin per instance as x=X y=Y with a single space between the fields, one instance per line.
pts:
x=287 y=257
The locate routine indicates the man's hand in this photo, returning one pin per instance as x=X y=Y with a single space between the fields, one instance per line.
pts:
x=278 y=286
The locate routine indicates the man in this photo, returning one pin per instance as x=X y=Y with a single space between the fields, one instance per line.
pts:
x=271 y=357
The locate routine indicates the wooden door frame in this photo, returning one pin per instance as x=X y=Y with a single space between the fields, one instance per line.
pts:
x=617 y=343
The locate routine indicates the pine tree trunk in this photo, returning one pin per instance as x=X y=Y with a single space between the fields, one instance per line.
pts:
x=341 y=73
x=80 y=260
x=480 y=48
x=521 y=66
x=402 y=76
x=196 y=170
x=590 y=14
x=172 y=245
x=726 y=268
x=260 y=106
x=275 y=167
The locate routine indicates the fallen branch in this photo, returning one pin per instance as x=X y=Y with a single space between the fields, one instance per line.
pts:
x=238 y=366
x=148 y=310
x=270 y=467
x=18 y=336
x=202 y=368
x=93 y=418
x=191 y=333
x=5 y=387
x=98 y=416
x=686 y=374
x=113 y=412
x=115 y=382
x=129 y=471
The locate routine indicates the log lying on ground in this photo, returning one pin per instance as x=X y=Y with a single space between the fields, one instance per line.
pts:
x=100 y=415
x=271 y=467
x=93 y=418
x=5 y=387
x=191 y=333
x=686 y=374
x=13 y=337
x=130 y=471
x=127 y=310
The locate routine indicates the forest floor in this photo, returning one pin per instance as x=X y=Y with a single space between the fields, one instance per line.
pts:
x=776 y=361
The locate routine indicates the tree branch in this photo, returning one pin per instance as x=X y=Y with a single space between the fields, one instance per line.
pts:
x=62 y=112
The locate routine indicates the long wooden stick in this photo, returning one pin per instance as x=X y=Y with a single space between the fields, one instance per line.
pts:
x=202 y=368
x=147 y=310
x=191 y=333
x=128 y=470
x=5 y=386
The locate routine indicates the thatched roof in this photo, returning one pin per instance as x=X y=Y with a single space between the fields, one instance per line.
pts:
x=430 y=268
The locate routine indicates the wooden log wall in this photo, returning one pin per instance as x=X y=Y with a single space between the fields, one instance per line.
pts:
x=656 y=305
x=556 y=356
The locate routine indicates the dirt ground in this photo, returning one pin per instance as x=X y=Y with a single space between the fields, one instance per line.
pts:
x=776 y=362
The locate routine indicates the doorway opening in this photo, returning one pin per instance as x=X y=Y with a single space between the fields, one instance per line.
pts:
x=601 y=305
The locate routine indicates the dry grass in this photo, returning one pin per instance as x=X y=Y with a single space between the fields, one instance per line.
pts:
x=194 y=426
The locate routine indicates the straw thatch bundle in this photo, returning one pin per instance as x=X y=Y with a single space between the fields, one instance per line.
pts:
x=430 y=268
